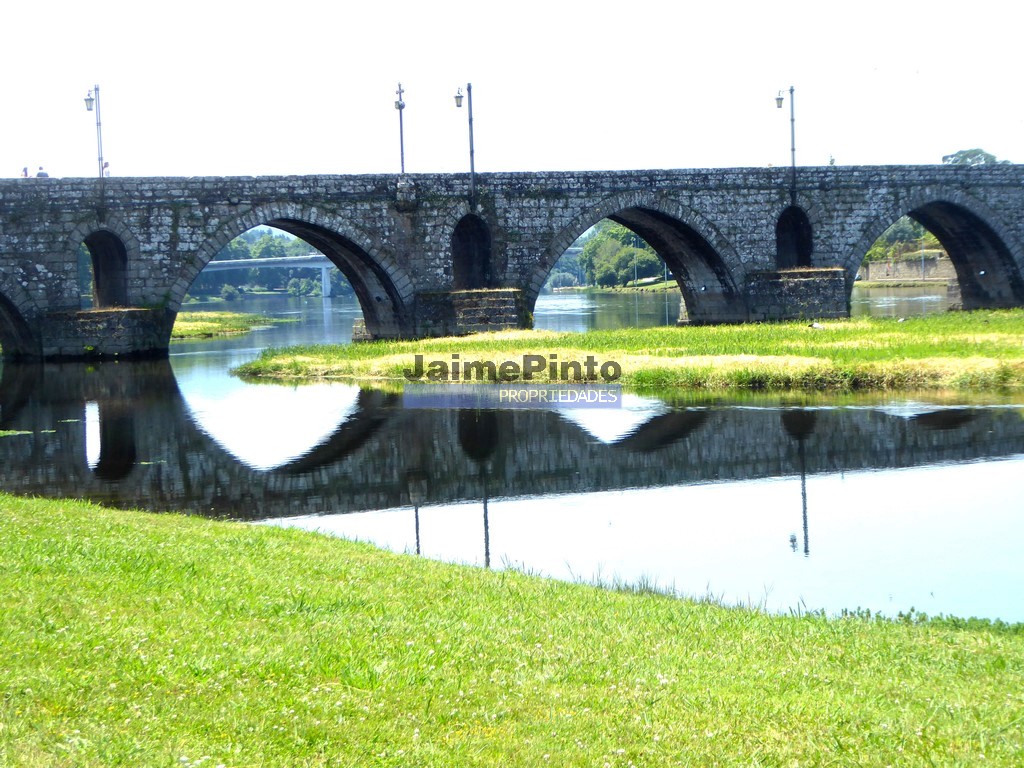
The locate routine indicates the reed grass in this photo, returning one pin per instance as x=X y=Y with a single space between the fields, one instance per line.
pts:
x=956 y=350
x=203 y=325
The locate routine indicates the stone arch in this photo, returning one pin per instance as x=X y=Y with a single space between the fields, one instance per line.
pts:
x=382 y=287
x=17 y=338
x=987 y=259
x=374 y=409
x=471 y=254
x=794 y=239
x=112 y=247
x=461 y=220
x=109 y=269
x=703 y=262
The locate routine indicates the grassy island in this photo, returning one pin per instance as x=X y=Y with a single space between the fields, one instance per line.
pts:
x=133 y=639
x=982 y=350
x=205 y=325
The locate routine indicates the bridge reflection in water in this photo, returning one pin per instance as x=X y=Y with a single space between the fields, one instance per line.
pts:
x=122 y=434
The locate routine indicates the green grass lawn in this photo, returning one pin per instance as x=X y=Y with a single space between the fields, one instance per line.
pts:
x=133 y=639
x=955 y=350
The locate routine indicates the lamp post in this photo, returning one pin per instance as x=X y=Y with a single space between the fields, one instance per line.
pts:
x=400 y=106
x=91 y=101
x=792 y=141
x=472 y=166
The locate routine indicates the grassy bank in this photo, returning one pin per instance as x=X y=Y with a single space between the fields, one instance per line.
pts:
x=203 y=325
x=937 y=284
x=955 y=350
x=131 y=639
x=630 y=287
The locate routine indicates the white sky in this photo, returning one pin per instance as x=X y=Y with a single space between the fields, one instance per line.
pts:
x=228 y=87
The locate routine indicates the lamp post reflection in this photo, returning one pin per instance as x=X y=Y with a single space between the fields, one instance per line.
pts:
x=416 y=483
x=799 y=424
x=478 y=436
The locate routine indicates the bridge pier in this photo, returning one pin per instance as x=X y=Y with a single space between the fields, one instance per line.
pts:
x=797 y=294
x=458 y=313
x=103 y=333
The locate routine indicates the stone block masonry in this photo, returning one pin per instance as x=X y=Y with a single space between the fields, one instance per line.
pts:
x=410 y=244
x=796 y=294
x=112 y=333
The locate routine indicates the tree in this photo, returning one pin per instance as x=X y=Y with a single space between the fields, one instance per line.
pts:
x=569 y=263
x=903 y=230
x=598 y=254
x=972 y=157
x=236 y=249
x=297 y=247
x=304 y=286
x=635 y=262
x=607 y=256
x=269 y=246
x=560 y=279
x=604 y=275
x=904 y=236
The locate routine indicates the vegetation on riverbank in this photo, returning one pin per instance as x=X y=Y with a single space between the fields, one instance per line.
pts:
x=649 y=284
x=137 y=639
x=939 y=283
x=204 y=325
x=655 y=285
x=956 y=350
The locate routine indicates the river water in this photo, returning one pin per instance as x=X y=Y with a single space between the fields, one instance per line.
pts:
x=888 y=504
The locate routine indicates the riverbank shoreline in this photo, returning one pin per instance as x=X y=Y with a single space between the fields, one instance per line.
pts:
x=908 y=283
x=658 y=286
x=135 y=638
x=982 y=350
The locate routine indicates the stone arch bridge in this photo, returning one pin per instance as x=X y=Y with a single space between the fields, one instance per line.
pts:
x=426 y=260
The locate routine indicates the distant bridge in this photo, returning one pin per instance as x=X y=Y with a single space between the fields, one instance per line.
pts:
x=433 y=255
x=310 y=261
